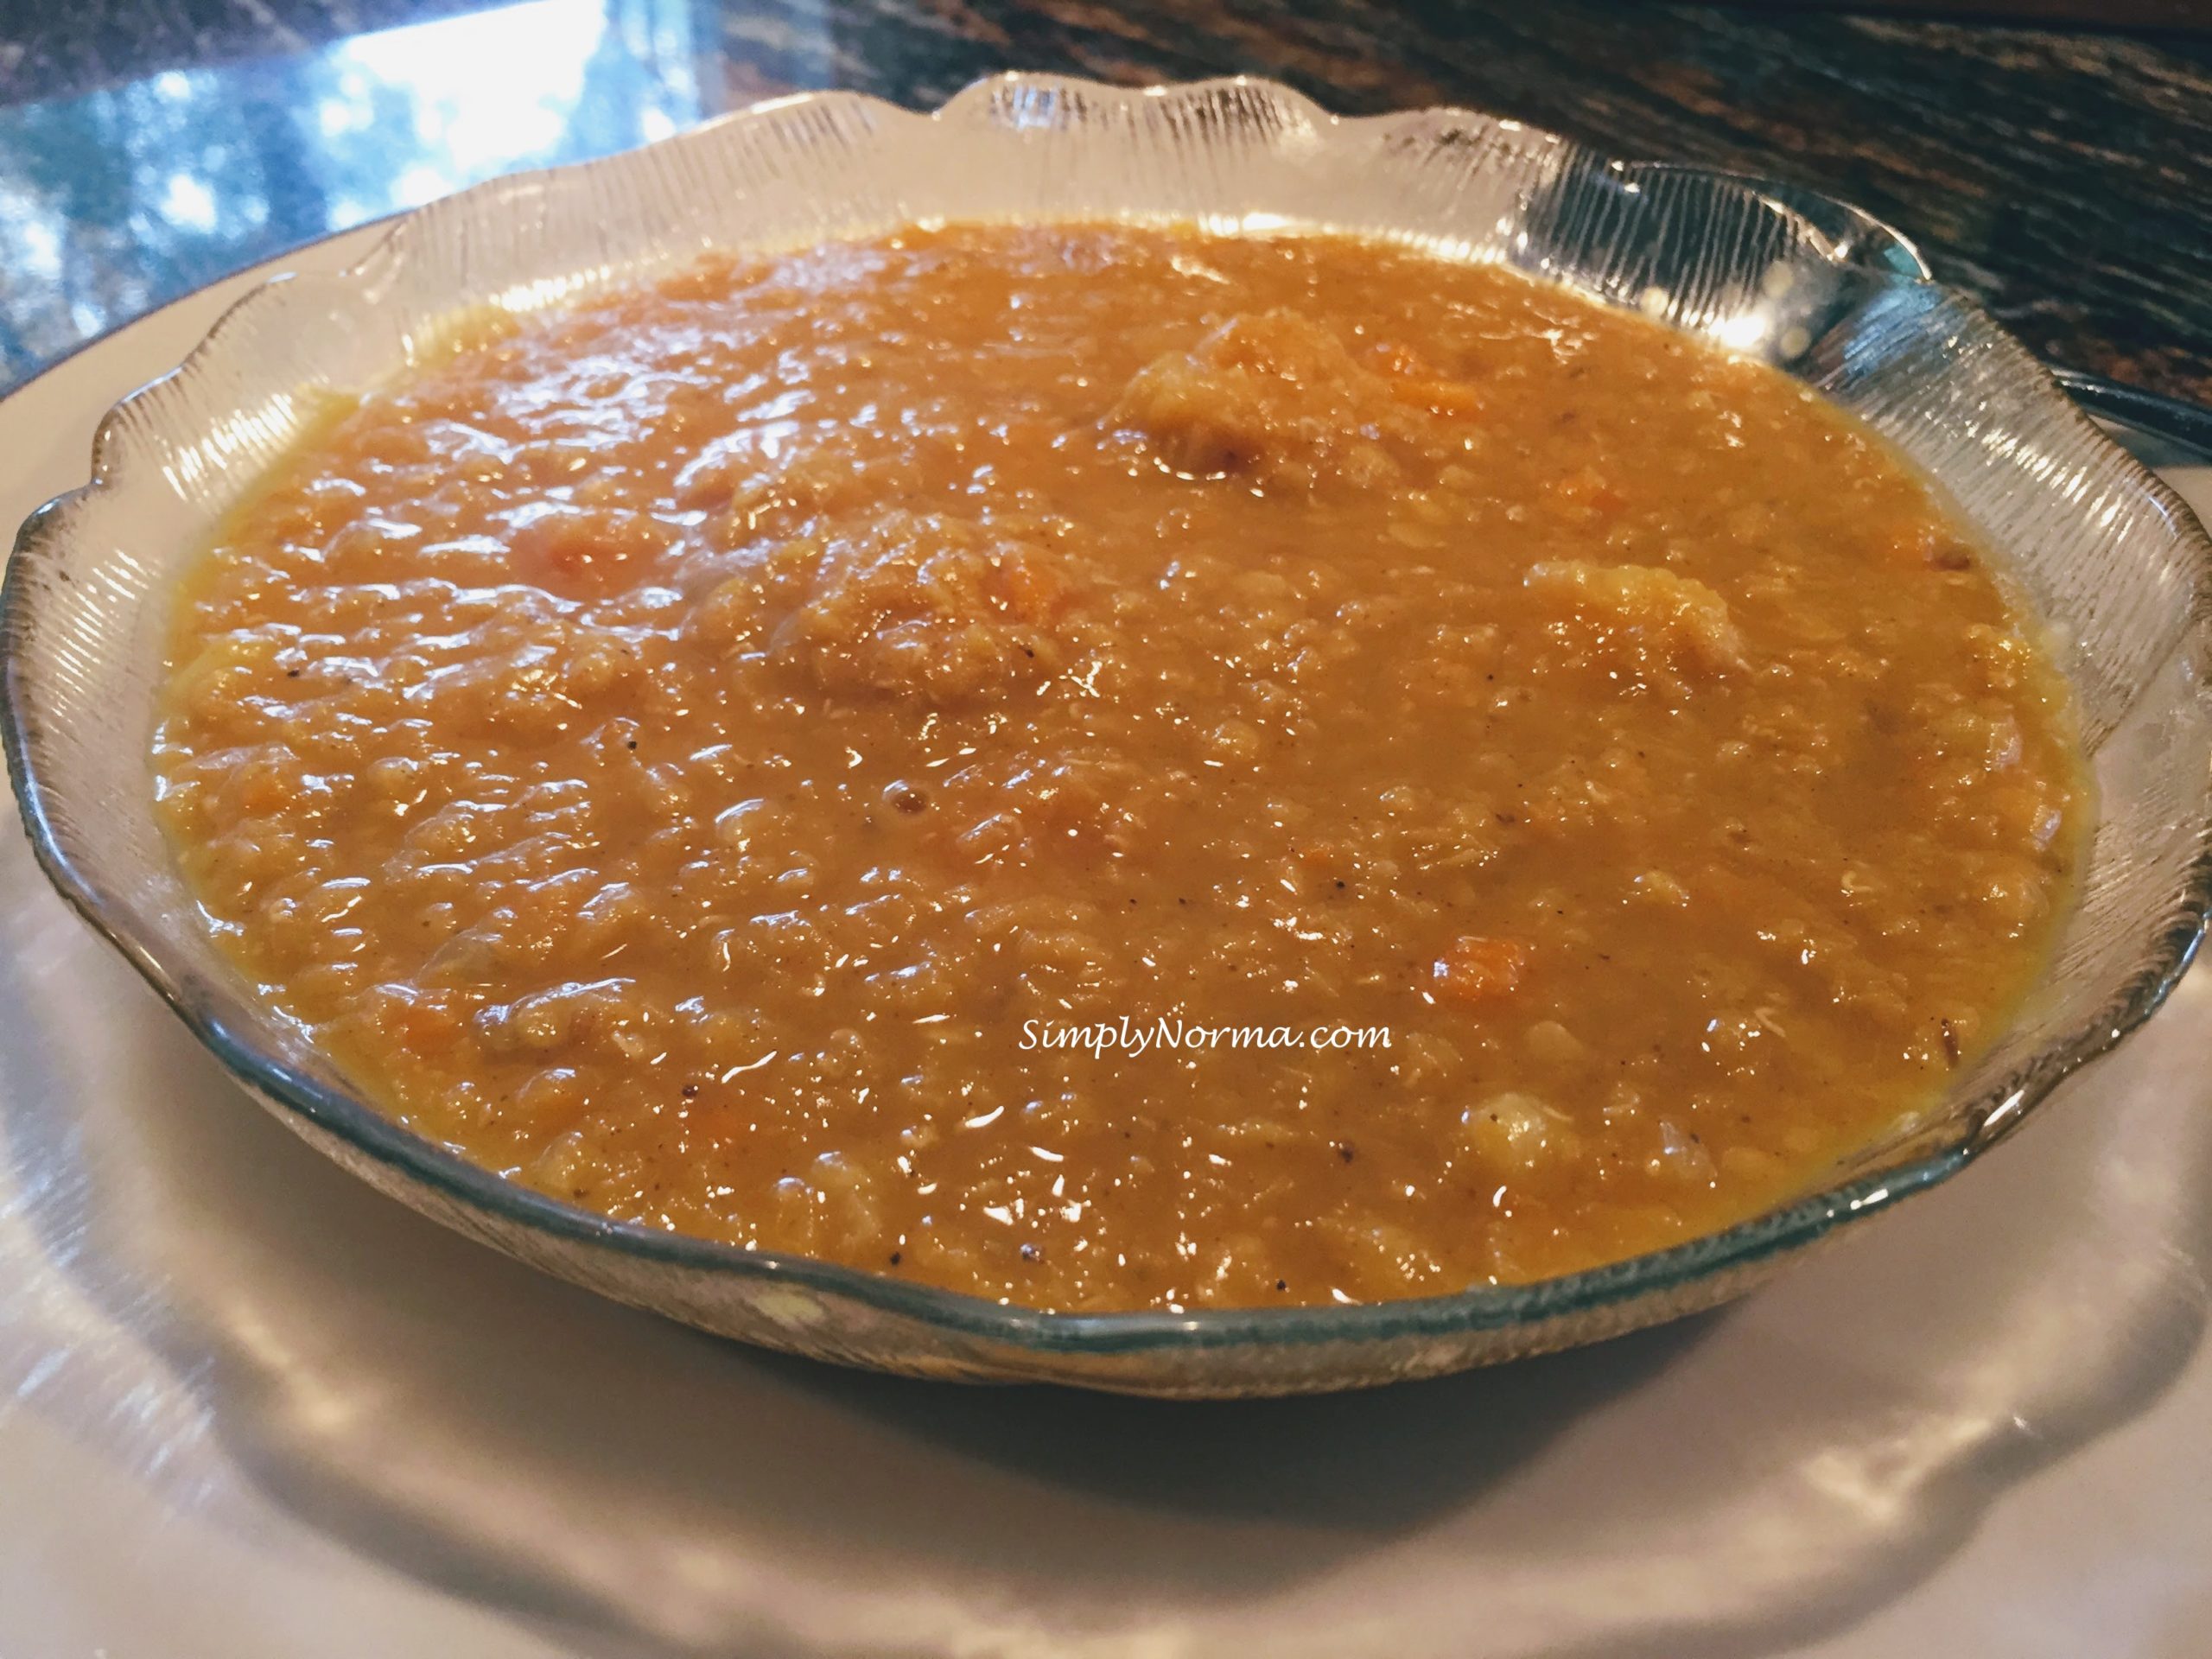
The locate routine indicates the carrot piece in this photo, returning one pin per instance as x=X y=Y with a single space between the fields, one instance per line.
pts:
x=1029 y=589
x=1413 y=381
x=1454 y=399
x=1474 y=970
x=1586 y=487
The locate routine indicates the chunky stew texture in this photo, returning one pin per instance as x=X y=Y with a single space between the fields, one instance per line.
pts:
x=1112 y=767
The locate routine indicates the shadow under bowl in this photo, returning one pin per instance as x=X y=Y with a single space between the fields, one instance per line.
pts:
x=2099 y=550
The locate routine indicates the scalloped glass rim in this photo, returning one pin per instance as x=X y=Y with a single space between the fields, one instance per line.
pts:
x=1856 y=291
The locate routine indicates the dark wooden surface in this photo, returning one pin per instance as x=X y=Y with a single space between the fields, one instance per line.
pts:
x=2063 y=175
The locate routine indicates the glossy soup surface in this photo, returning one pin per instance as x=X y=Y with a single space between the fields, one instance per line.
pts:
x=701 y=755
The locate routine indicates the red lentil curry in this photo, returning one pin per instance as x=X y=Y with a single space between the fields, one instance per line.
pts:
x=702 y=756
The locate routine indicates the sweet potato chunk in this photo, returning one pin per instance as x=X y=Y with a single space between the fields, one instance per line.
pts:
x=922 y=604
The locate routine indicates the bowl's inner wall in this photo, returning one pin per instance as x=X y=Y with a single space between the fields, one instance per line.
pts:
x=2083 y=536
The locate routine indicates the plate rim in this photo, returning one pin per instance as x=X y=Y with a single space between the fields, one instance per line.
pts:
x=302 y=1100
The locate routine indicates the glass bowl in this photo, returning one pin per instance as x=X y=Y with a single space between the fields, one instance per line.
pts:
x=2111 y=560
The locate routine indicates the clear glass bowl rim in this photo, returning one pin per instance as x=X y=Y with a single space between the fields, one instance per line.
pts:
x=1502 y=1307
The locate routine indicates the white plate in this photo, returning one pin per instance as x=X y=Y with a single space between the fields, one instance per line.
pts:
x=248 y=1409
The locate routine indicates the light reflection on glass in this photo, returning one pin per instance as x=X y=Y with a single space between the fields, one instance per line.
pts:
x=116 y=201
